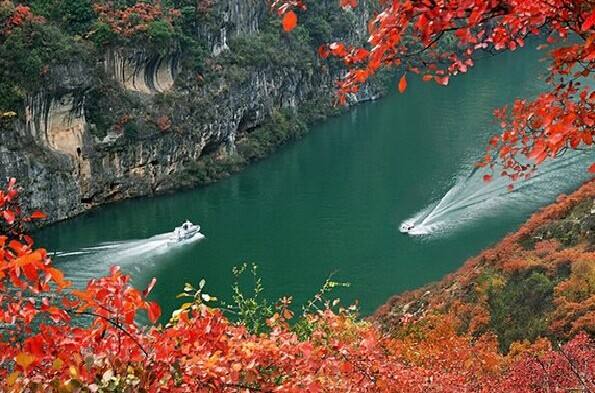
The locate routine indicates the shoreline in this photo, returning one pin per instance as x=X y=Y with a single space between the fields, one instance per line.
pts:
x=210 y=169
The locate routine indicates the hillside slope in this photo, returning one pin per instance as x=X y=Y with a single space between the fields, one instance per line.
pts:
x=536 y=282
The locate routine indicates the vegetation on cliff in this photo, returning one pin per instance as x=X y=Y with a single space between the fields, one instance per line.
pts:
x=37 y=35
x=241 y=89
x=28 y=47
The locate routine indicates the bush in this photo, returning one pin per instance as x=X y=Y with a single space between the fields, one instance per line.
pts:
x=103 y=34
x=160 y=35
x=75 y=17
x=268 y=48
x=208 y=169
x=282 y=127
x=519 y=310
x=131 y=130
x=26 y=54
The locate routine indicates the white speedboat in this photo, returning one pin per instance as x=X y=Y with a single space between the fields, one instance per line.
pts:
x=407 y=227
x=186 y=231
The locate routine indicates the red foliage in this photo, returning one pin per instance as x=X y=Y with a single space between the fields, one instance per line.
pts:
x=571 y=368
x=575 y=299
x=546 y=247
x=289 y=21
x=134 y=19
x=410 y=34
x=121 y=122
x=43 y=349
x=402 y=84
x=204 y=6
x=574 y=296
x=17 y=16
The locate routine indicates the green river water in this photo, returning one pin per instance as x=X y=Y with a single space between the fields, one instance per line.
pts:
x=333 y=201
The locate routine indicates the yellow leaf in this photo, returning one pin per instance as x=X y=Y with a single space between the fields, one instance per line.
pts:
x=12 y=378
x=73 y=371
x=24 y=360
x=57 y=364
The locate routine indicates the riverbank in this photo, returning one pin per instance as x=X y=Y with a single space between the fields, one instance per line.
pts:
x=536 y=282
x=282 y=127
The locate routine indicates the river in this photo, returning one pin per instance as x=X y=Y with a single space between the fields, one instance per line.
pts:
x=333 y=201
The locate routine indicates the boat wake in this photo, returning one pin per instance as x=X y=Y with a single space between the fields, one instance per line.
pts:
x=89 y=262
x=471 y=198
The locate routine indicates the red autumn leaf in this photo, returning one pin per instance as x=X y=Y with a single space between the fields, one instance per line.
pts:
x=38 y=215
x=589 y=22
x=9 y=216
x=290 y=20
x=346 y=367
x=338 y=49
x=402 y=84
x=441 y=80
x=323 y=51
x=11 y=194
x=58 y=277
x=359 y=55
x=538 y=148
x=487 y=178
x=18 y=247
x=592 y=168
x=154 y=311
x=348 y=3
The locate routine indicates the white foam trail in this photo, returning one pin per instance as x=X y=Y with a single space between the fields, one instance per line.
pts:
x=470 y=198
x=106 y=246
x=70 y=254
x=90 y=262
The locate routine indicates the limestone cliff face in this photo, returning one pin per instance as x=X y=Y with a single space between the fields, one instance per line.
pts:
x=45 y=150
x=140 y=72
x=237 y=17
x=67 y=167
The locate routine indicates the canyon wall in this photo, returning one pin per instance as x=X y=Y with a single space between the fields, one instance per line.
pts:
x=164 y=118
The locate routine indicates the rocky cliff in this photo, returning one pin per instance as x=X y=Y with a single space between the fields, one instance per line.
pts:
x=131 y=120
